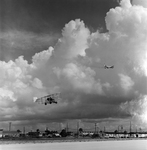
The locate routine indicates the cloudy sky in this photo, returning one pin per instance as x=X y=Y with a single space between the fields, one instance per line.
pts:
x=49 y=46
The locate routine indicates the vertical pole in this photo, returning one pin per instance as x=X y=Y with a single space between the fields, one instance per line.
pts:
x=24 y=130
x=121 y=128
x=9 y=126
x=77 y=128
x=60 y=127
x=95 y=128
x=67 y=127
x=130 y=127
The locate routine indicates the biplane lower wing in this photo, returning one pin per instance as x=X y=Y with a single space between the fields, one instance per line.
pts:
x=41 y=100
x=46 y=99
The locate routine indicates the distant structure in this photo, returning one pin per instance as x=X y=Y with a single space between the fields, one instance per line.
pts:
x=95 y=130
x=1 y=133
x=10 y=126
x=130 y=127
x=67 y=127
x=24 y=130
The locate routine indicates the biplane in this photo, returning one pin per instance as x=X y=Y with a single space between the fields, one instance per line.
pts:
x=48 y=99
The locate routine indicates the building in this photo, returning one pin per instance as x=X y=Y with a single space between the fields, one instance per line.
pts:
x=142 y=134
x=7 y=134
x=1 y=133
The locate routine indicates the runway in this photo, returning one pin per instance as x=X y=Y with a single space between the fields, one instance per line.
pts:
x=91 y=145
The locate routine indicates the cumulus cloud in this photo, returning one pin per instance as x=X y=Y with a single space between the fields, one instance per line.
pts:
x=74 y=66
x=74 y=40
x=82 y=78
x=137 y=108
x=140 y=3
x=126 y=82
x=7 y=94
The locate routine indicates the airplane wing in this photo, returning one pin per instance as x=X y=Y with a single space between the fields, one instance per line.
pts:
x=54 y=96
x=40 y=100
x=108 y=67
x=43 y=99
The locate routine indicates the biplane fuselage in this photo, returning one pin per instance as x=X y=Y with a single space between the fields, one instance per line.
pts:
x=48 y=99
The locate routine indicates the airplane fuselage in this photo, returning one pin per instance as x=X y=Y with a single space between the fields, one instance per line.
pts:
x=108 y=67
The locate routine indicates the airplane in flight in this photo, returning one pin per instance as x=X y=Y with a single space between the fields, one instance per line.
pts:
x=108 y=67
x=48 y=99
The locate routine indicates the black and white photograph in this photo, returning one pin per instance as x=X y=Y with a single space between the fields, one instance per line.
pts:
x=73 y=74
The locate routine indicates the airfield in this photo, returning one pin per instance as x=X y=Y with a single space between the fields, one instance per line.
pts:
x=131 y=144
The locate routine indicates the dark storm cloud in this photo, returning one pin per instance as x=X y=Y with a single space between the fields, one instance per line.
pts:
x=51 y=15
x=15 y=43
x=29 y=23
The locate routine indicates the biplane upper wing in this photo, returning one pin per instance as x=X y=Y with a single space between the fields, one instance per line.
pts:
x=54 y=96
x=43 y=99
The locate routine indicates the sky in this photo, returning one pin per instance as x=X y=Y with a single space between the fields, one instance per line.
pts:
x=49 y=46
x=37 y=24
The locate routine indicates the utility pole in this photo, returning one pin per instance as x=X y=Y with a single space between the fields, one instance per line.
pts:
x=24 y=130
x=67 y=127
x=77 y=128
x=121 y=128
x=60 y=128
x=9 y=126
x=95 y=127
x=130 y=127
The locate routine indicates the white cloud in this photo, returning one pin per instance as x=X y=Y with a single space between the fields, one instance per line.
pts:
x=40 y=59
x=140 y=3
x=81 y=78
x=126 y=82
x=5 y=93
x=137 y=108
x=74 y=40
x=75 y=67
x=125 y=4
x=37 y=83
